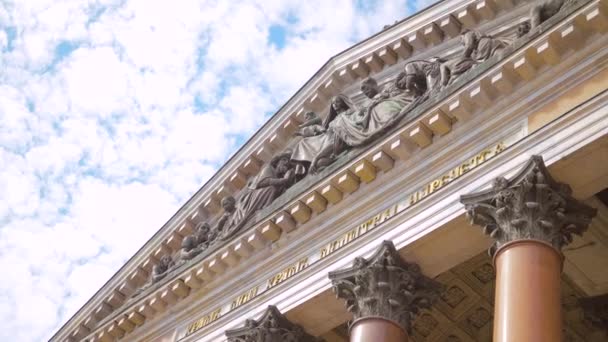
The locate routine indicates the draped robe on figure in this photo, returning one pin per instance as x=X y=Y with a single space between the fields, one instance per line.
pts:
x=487 y=47
x=253 y=198
x=354 y=126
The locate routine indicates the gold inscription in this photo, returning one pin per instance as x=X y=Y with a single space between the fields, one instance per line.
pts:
x=455 y=173
x=204 y=321
x=361 y=229
x=287 y=273
x=244 y=298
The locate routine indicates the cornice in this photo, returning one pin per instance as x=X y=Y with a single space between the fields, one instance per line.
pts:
x=487 y=85
x=403 y=230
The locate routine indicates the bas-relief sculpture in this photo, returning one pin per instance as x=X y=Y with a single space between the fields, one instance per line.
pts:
x=272 y=180
x=193 y=245
x=349 y=125
x=319 y=142
x=159 y=271
x=543 y=10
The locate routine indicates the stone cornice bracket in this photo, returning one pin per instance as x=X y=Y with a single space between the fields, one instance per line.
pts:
x=531 y=206
x=385 y=286
x=271 y=327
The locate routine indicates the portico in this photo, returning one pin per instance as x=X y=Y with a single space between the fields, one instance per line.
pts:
x=380 y=228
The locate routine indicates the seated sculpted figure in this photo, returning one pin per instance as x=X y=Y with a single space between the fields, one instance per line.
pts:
x=310 y=127
x=424 y=77
x=228 y=203
x=385 y=106
x=348 y=125
x=194 y=244
x=274 y=178
x=371 y=89
x=342 y=112
x=160 y=270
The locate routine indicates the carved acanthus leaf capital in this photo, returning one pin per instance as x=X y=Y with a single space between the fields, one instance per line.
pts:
x=385 y=286
x=271 y=327
x=532 y=205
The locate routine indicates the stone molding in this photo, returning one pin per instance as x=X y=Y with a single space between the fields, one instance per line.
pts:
x=385 y=286
x=271 y=327
x=253 y=240
x=530 y=206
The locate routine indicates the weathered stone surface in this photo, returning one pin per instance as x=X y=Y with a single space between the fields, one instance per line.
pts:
x=532 y=205
x=385 y=285
x=271 y=327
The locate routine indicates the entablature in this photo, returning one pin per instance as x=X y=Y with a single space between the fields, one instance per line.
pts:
x=112 y=314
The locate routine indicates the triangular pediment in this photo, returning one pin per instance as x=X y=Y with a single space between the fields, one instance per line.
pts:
x=422 y=76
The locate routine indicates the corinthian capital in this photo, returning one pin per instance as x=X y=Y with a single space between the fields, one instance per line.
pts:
x=532 y=205
x=384 y=286
x=271 y=327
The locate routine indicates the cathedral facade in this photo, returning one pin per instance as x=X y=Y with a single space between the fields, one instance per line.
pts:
x=444 y=180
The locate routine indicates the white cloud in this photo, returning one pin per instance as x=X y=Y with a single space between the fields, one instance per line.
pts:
x=114 y=112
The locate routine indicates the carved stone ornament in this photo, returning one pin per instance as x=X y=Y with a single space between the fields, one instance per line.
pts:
x=532 y=205
x=385 y=286
x=271 y=327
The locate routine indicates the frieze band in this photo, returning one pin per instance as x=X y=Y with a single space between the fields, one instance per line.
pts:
x=350 y=236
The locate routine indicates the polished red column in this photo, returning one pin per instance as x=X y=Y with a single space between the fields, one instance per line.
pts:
x=369 y=329
x=530 y=217
x=527 y=305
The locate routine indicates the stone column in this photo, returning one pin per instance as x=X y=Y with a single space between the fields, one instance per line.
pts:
x=531 y=217
x=384 y=293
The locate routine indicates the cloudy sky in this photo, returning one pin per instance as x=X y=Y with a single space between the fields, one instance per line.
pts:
x=114 y=112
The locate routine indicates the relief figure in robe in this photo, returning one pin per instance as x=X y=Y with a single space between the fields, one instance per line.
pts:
x=424 y=77
x=272 y=180
x=311 y=126
x=348 y=125
x=478 y=48
x=543 y=10
x=159 y=271
x=320 y=150
x=385 y=105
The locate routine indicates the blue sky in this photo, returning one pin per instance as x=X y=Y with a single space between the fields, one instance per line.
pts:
x=114 y=112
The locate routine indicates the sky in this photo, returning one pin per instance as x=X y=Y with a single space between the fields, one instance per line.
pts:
x=113 y=113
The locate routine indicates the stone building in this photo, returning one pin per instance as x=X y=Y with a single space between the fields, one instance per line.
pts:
x=364 y=209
